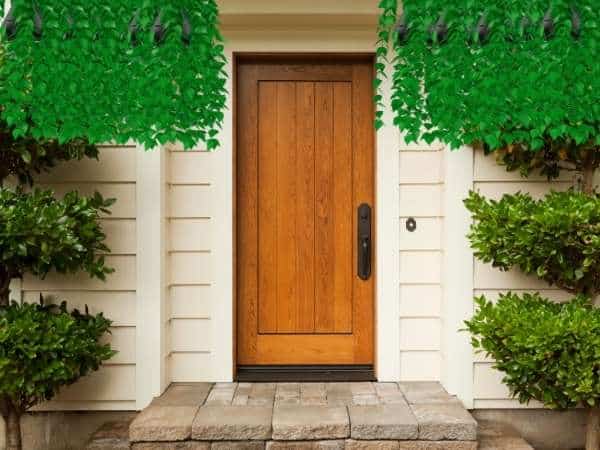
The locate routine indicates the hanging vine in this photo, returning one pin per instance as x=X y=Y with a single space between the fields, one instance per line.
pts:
x=498 y=73
x=151 y=71
x=387 y=18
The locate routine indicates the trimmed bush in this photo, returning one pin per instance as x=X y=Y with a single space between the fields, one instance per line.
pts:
x=556 y=238
x=39 y=233
x=45 y=347
x=42 y=349
x=547 y=351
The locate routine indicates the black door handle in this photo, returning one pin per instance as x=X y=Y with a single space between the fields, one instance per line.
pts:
x=364 y=241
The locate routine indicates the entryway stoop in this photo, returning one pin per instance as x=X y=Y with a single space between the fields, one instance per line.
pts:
x=311 y=416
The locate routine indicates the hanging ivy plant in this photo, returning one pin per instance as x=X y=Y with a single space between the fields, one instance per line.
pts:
x=496 y=72
x=151 y=71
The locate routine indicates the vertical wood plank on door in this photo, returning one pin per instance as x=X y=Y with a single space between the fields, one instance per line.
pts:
x=305 y=210
x=247 y=229
x=364 y=187
x=324 y=239
x=342 y=208
x=267 y=207
x=287 y=200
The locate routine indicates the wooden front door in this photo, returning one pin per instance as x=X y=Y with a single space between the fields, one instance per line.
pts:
x=305 y=163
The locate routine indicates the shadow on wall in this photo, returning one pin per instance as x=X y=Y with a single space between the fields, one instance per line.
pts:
x=62 y=430
x=543 y=429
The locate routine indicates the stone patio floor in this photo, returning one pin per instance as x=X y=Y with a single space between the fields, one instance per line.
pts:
x=277 y=416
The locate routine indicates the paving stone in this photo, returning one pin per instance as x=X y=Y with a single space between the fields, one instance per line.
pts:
x=184 y=395
x=237 y=445
x=313 y=394
x=383 y=422
x=111 y=435
x=263 y=394
x=287 y=394
x=242 y=394
x=221 y=394
x=352 y=444
x=232 y=423
x=440 y=445
x=425 y=392
x=445 y=421
x=286 y=390
x=296 y=423
x=365 y=399
x=189 y=445
x=306 y=445
x=163 y=423
x=389 y=393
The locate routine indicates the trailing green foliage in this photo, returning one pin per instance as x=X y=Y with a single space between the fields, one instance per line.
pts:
x=99 y=70
x=46 y=347
x=39 y=233
x=556 y=238
x=387 y=18
x=547 y=351
x=517 y=85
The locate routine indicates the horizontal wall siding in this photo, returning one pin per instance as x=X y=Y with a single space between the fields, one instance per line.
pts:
x=191 y=299
x=114 y=176
x=421 y=189
x=492 y=180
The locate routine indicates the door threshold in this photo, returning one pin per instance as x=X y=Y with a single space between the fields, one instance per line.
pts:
x=300 y=374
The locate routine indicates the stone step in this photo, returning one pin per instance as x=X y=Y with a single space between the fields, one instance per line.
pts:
x=408 y=416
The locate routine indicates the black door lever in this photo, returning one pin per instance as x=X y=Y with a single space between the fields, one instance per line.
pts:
x=364 y=241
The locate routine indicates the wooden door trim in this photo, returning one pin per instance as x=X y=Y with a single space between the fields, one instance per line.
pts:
x=304 y=58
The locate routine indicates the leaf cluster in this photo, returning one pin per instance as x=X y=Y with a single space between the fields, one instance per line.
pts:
x=519 y=86
x=553 y=158
x=90 y=75
x=46 y=347
x=556 y=238
x=547 y=351
x=39 y=233
x=24 y=157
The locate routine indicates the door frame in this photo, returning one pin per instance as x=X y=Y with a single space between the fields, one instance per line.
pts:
x=237 y=57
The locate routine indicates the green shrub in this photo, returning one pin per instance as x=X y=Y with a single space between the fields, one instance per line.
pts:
x=45 y=347
x=24 y=157
x=556 y=238
x=39 y=233
x=547 y=351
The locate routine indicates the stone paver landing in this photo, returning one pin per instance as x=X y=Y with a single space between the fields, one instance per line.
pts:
x=279 y=416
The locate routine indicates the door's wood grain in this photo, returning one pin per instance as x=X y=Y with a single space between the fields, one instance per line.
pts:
x=287 y=202
x=325 y=232
x=364 y=192
x=300 y=348
x=343 y=210
x=267 y=208
x=247 y=215
x=305 y=216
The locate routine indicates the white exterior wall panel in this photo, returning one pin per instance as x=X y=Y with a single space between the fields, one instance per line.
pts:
x=114 y=176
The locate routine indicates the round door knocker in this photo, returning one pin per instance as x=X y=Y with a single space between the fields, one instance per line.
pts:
x=411 y=224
